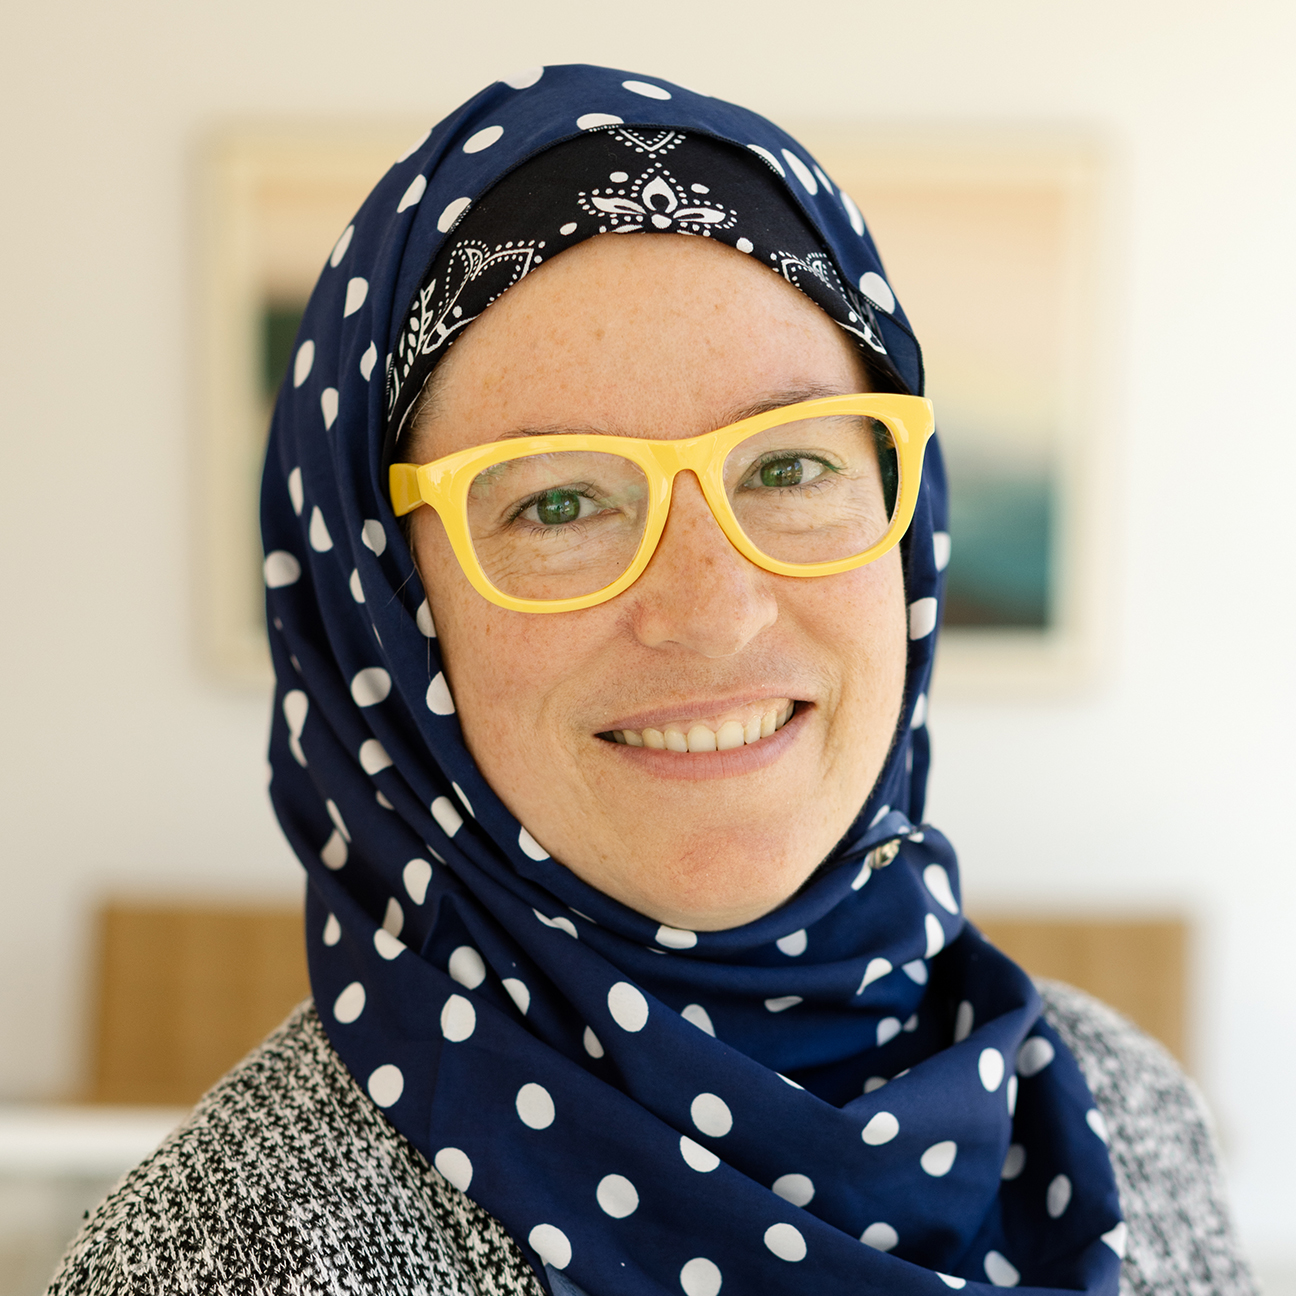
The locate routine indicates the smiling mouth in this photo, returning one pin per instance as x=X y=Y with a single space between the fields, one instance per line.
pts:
x=739 y=728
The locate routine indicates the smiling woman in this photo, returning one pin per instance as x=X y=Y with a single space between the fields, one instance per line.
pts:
x=705 y=645
x=635 y=968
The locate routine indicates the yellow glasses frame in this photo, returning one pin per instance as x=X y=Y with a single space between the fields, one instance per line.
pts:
x=444 y=484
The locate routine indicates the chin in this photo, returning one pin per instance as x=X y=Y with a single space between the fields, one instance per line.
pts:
x=703 y=893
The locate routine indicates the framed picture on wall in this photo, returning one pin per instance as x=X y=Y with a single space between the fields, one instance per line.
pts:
x=990 y=241
x=272 y=202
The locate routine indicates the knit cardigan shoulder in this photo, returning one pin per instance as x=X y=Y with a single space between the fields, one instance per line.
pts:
x=286 y=1179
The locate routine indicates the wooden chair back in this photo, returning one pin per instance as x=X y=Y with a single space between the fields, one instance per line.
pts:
x=186 y=990
x=1138 y=966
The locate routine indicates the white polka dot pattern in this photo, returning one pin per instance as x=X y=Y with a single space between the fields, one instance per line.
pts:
x=416 y=875
x=344 y=242
x=386 y=1084
x=990 y=1067
x=302 y=363
x=880 y=1236
x=675 y=938
x=711 y=1114
x=647 y=89
x=439 y=701
x=530 y=847
x=320 y=540
x=876 y=970
x=348 y=1006
x=281 y=568
x=882 y=1128
x=801 y=171
x=794 y=944
x=357 y=291
x=795 y=1188
x=551 y=1245
x=617 y=1196
x=370 y=686
x=452 y=212
x=525 y=79
x=454 y=1165
x=786 y=1242
x=922 y=617
x=697 y=1157
x=483 y=139
x=769 y=157
x=467 y=967
x=535 y=1107
x=938 y=1160
x=628 y=1007
x=458 y=1019
x=699 y=1016
x=701 y=1277
x=1058 y=1197
x=1014 y=1162
x=878 y=291
x=1000 y=1270
x=1034 y=1055
x=566 y=1022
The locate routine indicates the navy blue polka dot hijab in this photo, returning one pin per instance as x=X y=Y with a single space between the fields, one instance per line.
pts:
x=854 y=1092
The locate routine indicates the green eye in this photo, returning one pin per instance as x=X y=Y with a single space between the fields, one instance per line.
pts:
x=791 y=470
x=781 y=472
x=558 y=506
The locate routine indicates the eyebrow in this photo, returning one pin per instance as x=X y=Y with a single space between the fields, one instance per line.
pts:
x=736 y=414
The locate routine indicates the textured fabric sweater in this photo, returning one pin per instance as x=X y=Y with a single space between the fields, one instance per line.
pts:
x=287 y=1179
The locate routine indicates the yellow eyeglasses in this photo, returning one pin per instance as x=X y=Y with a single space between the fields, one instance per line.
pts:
x=564 y=521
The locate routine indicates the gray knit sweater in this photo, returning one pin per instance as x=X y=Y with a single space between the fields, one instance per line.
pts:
x=286 y=1179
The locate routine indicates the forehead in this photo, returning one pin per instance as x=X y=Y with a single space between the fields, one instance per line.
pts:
x=638 y=335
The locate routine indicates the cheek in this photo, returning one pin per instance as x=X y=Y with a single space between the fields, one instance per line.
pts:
x=503 y=667
x=474 y=646
x=860 y=619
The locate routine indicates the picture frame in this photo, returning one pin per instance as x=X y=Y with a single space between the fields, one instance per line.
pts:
x=272 y=199
x=992 y=242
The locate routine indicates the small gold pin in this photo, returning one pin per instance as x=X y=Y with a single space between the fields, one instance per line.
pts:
x=880 y=856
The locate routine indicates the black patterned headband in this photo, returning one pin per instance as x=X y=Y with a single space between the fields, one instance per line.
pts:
x=618 y=180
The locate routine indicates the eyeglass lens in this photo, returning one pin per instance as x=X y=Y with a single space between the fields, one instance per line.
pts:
x=563 y=525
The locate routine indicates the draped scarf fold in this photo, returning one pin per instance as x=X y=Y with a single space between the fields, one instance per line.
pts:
x=854 y=1091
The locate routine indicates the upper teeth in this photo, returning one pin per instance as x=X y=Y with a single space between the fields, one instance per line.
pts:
x=712 y=735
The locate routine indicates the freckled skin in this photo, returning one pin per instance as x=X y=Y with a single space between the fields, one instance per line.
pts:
x=663 y=336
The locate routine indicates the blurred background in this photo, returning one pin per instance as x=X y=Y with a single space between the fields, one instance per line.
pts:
x=1127 y=809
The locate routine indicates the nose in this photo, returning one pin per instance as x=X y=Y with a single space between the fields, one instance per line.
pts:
x=698 y=591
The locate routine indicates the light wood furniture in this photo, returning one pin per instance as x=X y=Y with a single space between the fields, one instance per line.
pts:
x=185 y=991
x=1138 y=966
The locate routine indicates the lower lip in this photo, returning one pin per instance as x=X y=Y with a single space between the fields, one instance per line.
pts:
x=694 y=766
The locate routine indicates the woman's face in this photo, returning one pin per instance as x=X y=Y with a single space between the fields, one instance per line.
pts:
x=665 y=337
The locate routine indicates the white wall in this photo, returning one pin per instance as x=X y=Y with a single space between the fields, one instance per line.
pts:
x=1164 y=785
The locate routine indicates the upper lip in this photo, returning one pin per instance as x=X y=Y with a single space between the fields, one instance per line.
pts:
x=695 y=709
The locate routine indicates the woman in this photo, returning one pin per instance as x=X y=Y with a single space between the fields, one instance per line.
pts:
x=603 y=576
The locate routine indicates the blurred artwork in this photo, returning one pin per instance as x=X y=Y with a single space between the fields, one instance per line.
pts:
x=273 y=204
x=989 y=242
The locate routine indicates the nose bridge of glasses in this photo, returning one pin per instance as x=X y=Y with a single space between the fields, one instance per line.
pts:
x=700 y=455
x=703 y=458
